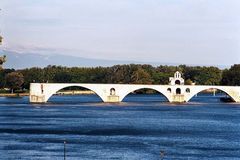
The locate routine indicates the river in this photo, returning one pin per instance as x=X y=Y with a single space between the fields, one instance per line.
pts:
x=144 y=127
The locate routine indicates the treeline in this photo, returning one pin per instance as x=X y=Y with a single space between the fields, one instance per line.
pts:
x=125 y=74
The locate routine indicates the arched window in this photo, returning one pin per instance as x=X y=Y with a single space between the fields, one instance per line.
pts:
x=177 y=82
x=169 y=90
x=112 y=91
x=188 y=90
x=178 y=91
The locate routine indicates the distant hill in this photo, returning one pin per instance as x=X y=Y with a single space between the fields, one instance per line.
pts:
x=27 y=60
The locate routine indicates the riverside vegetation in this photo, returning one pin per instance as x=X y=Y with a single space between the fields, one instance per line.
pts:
x=19 y=80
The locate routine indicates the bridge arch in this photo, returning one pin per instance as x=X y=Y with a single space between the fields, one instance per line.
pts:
x=49 y=92
x=139 y=88
x=196 y=91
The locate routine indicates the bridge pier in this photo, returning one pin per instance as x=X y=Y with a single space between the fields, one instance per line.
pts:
x=37 y=94
x=37 y=99
x=113 y=99
x=177 y=98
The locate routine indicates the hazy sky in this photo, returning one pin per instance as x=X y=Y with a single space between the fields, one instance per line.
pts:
x=172 y=31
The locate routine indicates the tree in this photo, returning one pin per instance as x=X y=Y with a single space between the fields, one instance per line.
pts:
x=203 y=75
x=33 y=75
x=209 y=76
x=3 y=73
x=14 y=80
x=2 y=59
x=231 y=76
x=62 y=77
x=129 y=74
x=140 y=76
x=188 y=82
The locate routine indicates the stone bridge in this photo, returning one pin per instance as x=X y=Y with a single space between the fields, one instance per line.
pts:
x=41 y=92
x=176 y=91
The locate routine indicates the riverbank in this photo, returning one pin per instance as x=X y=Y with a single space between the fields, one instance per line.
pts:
x=13 y=94
x=70 y=92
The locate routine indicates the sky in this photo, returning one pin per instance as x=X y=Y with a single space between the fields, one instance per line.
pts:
x=201 y=32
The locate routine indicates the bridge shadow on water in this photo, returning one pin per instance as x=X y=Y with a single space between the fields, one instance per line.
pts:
x=74 y=99
x=145 y=98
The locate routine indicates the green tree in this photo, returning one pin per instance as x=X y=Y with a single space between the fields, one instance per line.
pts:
x=231 y=76
x=14 y=80
x=188 y=82
x=209 y=76
x=3 y=73
x=62 y=77
x=33 y=75
x=127 y=74
x=140 y=76
x=203 y=75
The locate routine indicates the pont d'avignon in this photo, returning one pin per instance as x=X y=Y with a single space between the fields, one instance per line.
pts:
x=176 y=91
x=120 y=80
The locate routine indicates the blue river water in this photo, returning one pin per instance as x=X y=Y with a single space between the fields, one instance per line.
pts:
x=143 y=127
